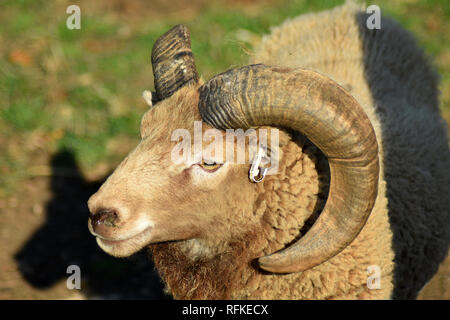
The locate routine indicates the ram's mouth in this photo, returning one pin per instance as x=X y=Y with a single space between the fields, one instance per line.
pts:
x=125 y=247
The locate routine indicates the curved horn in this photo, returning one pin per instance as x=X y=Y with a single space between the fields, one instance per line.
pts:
x=173 y=62
x=332 y=119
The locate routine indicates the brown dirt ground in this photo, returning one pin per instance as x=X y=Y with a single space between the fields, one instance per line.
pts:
x=46 y=232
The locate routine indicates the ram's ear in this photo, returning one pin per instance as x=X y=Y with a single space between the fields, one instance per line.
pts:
x=173 y=62
x=149 y=97
x=265 y=154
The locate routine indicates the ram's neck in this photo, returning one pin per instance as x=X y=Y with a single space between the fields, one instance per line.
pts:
x=219 y=276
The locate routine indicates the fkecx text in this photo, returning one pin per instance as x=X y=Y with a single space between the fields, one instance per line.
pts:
x=246 y=309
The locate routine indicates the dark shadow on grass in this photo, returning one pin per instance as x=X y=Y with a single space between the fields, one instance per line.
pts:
x=64 y=240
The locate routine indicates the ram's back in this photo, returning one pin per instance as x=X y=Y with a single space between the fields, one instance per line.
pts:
x=390 y=76
x=368 y=62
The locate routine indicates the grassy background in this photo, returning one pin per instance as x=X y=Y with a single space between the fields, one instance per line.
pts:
x=81 y=89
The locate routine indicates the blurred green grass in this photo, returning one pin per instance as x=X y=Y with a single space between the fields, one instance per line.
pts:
x=81 y=89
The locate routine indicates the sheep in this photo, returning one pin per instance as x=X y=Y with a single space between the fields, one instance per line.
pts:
x=359 y=206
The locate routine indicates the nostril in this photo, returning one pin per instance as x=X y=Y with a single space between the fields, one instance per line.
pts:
x=106 y=217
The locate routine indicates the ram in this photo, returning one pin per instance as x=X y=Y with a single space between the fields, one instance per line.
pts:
x=358 y=207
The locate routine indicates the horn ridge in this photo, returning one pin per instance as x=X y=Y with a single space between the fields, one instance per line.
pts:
x=173 y=62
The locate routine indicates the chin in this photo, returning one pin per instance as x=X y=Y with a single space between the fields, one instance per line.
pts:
x=124 y=248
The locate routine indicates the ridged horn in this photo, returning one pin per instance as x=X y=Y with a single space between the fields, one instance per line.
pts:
x=172 y=61
x=332 y=119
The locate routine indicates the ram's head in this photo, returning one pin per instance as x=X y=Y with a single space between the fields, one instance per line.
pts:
x=151 y=198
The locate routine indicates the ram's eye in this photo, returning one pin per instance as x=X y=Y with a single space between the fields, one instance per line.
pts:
x=210 y=166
